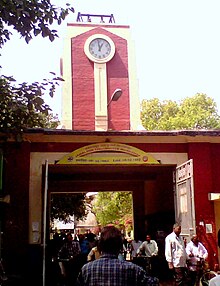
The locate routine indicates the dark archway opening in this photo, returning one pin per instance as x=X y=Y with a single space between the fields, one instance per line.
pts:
x=151 y=186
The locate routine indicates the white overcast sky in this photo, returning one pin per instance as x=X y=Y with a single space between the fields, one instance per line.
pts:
x=177 y=46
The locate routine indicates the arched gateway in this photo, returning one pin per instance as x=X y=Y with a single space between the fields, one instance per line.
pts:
x=106 y=167
x=120 y=167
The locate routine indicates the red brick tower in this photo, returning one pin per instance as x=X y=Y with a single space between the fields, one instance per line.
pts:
x=98 y=60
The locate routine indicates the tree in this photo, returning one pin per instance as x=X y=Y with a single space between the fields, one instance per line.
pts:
x=63 y=206
x=30 y=18
x=22 y=105
x=197 y=112
x=114 y=208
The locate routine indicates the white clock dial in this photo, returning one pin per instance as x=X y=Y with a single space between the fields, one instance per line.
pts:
x=100 y=48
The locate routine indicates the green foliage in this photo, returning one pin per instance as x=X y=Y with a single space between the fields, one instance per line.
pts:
x=65 y=205
x=113 y=208
x=30 y=18
x=22 y=106
x=197 y=112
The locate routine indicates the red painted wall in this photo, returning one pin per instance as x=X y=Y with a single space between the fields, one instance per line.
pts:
x=70 y=147
x=203 y=156
x=206 y=158
x=83 y=114
x=16 y=213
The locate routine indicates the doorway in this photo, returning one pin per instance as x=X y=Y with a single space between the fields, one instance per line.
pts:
x=151 y=186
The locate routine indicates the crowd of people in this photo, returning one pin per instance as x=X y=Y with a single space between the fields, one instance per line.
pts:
x=112 y=256
x=111 y=259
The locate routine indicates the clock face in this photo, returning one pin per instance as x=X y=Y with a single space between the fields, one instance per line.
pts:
x=100 y=48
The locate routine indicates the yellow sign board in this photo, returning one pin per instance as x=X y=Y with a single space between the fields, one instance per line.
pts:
x=108 y=153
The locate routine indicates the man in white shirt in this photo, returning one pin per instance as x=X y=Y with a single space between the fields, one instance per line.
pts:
x=176 y=255
x=197 y=254
x=135 y=244
x=215 y=281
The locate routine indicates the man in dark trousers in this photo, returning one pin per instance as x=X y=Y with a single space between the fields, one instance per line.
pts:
x=69 y=260
x=149 y=249
x=176 y=255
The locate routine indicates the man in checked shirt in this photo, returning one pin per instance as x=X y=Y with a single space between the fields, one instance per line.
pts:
x=108 y=270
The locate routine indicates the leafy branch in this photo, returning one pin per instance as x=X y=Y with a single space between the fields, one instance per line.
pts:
x=22 y=106
x=30 y=18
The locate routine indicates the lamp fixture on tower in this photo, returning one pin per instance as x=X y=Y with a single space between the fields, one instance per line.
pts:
x=115 y=96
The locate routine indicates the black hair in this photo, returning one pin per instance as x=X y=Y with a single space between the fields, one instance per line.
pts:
x=110 y=240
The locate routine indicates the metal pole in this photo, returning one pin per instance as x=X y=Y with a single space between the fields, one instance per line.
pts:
x=45 y=221
x=1 y=194
x=0 y=239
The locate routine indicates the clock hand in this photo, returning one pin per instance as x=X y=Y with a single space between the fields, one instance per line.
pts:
x=100 y=45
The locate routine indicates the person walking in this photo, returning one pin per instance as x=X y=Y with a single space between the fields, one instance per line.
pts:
x=197 y=254
x=94 y=252
x=135 y=244
x=149 y=249
x=68 y=256
x=108 y=269
x=85 y=248
x=176 y=256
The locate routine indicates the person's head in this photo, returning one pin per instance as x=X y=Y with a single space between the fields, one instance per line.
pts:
x=81 y=237
x=69 y=236
x=177 y=229
x=195 y=239
x=110 y=240
x=148 y=237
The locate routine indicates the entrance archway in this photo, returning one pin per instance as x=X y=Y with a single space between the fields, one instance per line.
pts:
x=151 y=185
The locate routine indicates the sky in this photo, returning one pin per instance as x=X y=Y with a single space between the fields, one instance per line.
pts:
x=177 y=44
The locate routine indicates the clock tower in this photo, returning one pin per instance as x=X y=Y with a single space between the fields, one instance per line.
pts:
x=98 y=67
